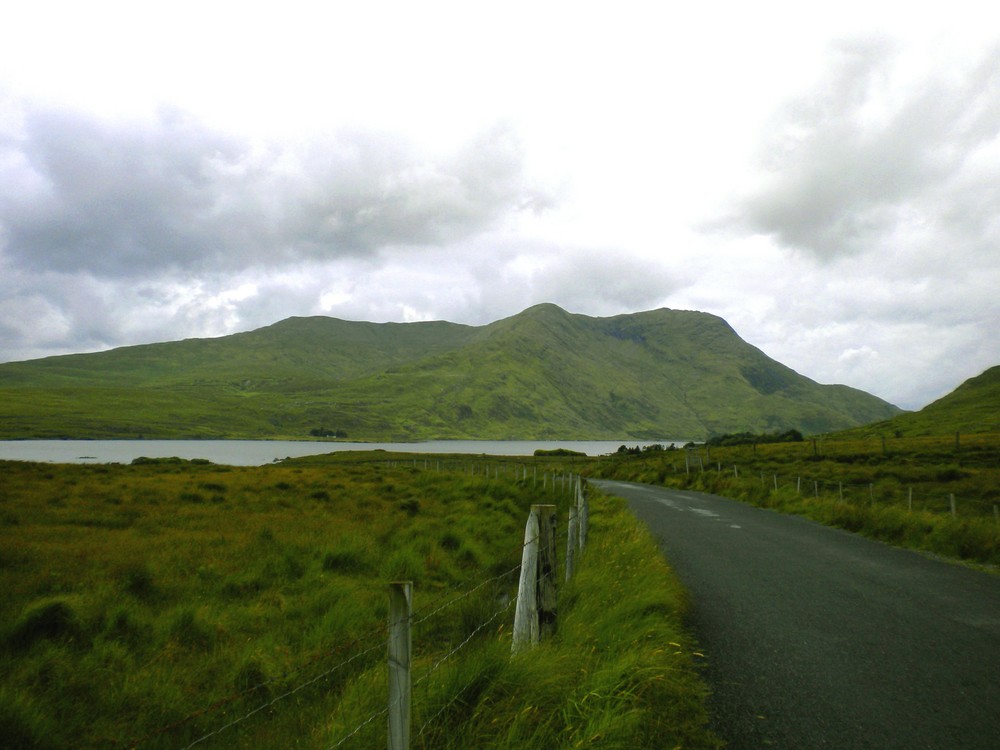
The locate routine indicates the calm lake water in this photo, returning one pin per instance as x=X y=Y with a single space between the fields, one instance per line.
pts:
x=259 y=452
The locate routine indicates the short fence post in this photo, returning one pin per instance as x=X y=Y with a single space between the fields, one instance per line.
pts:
x=526 y=610
x=583 y=506
x=996 y=514
x=951 y=498
x=909 y=501
x=400 y=643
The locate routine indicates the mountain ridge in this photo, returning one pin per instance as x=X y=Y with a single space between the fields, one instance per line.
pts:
x=973 y=407
x=542 y=373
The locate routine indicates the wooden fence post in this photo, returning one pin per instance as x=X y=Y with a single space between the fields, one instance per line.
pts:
x=400 y=643
x=526 y=610
x=951 y=498
x=572 y=540
x=583 y=507
x=547 y=589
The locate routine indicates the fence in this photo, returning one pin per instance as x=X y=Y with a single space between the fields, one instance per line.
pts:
x=535 y=618
x=843 y=490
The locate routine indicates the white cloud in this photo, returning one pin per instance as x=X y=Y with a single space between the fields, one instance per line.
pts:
x=826 y=179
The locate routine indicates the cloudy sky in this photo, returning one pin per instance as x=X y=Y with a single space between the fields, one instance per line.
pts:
x=828 y=181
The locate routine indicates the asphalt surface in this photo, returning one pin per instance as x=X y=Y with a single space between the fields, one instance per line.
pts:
x=818 y=638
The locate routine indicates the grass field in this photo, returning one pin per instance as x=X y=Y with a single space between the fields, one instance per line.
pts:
x=898 y=490
x=167 y=604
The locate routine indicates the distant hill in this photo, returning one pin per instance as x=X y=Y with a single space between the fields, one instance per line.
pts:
x=544 y=373
x=973 y=407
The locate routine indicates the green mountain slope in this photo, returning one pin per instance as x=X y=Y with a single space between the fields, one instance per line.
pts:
x=544 y=373
x=973 y=407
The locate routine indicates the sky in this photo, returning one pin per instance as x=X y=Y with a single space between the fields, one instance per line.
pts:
x=825 y=179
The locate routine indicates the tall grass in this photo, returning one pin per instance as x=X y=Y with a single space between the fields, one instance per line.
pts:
x=158 y=604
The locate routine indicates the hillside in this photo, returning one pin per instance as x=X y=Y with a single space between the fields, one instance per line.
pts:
x=973 y=407
x=544 y=373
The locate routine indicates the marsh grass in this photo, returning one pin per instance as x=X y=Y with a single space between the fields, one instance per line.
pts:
x=137 y=615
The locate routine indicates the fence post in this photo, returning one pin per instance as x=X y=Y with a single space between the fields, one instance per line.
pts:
x=400 y=605
x=526 y=609
x=951 y=498
x=547 y=591
x=572 y=540
x=583 y=506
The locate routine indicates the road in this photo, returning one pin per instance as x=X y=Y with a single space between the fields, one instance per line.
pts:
x=818 y=638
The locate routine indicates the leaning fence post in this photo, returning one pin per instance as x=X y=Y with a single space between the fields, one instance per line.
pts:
x=400 y=604
x=526 y=609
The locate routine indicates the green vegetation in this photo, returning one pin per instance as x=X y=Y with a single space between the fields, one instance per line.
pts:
x=153 y=604
x=748 y=438
x=897 y=490
x=541 y=374
x=973 y=407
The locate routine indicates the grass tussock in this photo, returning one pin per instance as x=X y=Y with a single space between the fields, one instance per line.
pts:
x=158 y=604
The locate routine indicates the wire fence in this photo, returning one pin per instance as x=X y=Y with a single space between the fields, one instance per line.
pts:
x=877 y=490
x=359 y=653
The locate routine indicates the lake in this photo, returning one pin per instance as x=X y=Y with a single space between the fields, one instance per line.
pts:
x=259 y=452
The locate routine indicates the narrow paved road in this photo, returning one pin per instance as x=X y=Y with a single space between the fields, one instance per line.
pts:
x=817 y=638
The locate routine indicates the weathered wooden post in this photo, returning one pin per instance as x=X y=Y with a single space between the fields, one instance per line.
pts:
x=548 y=594
x=526 y=610
x=400 y=643
x=572 y=540
x=951 y=498
x=583 y=508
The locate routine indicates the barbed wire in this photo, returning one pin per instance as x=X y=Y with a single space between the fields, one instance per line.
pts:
x=377 y=632
x=434 y=667
x=281 y=697
x=457 y=598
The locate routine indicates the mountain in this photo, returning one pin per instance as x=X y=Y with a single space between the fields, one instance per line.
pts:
x=544 y=373
x=973 y=407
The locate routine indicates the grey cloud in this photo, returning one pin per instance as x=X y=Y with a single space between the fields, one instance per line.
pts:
x=128 y=200
x=861 y=159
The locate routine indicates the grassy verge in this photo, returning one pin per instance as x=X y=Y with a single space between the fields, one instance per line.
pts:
x=164 y=604
x=899 y=491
